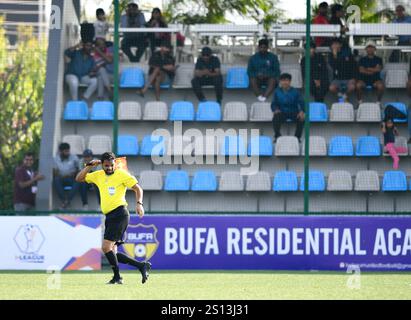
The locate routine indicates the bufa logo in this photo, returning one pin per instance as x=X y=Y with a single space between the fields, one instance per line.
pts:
x=141 y=241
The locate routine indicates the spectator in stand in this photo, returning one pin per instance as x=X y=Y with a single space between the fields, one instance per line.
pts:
x=162 y=69
x=208 y=72
x=319 y=74
x=25 y=184
x=101 y=26
x=157 y=21
x=342 y=71
x=409 y=81
x=81 y=69
x=321 y=18
x=133 y=18
x=66 y=166
x=85 y=187
x=288 y=104
x=404 y=40
x=370 y=67
x=390 y=131
x=337 y=17
x=103 y=58
x=263 y=70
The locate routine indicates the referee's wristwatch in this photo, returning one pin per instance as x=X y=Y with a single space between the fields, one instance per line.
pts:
x=140 y=203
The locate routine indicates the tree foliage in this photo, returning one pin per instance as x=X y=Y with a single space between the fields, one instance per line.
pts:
x=214 y=11
x=22 y=79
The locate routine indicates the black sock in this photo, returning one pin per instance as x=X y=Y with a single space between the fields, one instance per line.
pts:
x=123 y=258
x=112 y=259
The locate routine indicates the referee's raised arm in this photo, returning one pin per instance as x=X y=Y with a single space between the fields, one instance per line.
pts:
x=81 y=176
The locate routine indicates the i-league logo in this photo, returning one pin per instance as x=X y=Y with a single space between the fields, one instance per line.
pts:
x=141 y=241
x=29 y=239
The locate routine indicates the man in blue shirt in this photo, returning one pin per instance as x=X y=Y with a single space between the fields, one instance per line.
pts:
x=133 y=18
x=288 y=104
x=263 y=70
x=370 y=67
x=402 y=40
x=81 y=69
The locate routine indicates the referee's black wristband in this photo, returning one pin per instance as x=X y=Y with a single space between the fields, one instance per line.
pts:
x=138 y=202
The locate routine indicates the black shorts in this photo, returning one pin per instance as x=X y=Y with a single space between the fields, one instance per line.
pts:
x=116 y=224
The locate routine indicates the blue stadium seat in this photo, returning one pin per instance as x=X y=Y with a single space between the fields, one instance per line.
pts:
x=394 y=181
x=368 y=146
x=260 y=146
x=316 y=181
x=341 y=146
x=153 y=145
x=177 y=180
x=237 y=78
x=209 y=111
x=285 y=181
x=76 y=110
x=127 y=146
x=233 y=146
x=102 y=110
x=318 y=112
x=204 y=181
x=182 y=111
x=132 y=78
x=400 y=106
x=164 y=85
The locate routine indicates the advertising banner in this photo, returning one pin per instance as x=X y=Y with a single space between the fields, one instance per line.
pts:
x=271 y=242
x=51 y=242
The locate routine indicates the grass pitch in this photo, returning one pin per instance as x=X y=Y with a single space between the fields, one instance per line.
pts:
x=212 y=285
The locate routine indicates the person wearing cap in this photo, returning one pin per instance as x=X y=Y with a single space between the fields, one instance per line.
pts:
x=342 y=71
x=403 y=40
x=370 y=67
x=85 y=187
x=66 y=166
x=318 y=75
x=263 y=70
x=207 y=72
x=162 y=69
x=321 y=18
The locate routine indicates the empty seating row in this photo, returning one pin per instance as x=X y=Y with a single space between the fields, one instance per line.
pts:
x=104 y=110
x=234 y=111
x=344 y=112
x=339 y=146
x=284 y=181
x=157 y=145
x=78 y=110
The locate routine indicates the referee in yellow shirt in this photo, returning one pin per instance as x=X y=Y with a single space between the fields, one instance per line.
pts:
x=112 y=184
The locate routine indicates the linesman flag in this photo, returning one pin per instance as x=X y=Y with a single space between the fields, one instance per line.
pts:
x=121 y=163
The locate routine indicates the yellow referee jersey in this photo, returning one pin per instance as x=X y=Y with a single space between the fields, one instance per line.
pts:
x=112 y=187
